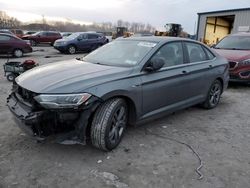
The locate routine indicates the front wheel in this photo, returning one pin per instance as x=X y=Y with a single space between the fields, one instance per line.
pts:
x=71 y=49
x=109 y=123
x=213 y=96
x=17 y=53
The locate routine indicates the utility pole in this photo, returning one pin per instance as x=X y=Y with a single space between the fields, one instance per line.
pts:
x=44 y=22
x=195 y=28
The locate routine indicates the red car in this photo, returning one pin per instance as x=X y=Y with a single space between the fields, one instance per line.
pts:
x=236 y=48
x=10 y=44
x=42 y=37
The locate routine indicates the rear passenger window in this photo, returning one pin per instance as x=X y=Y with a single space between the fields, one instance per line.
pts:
x=91 y=36
x=52 y=34
x=209 y=54
x=172 y=54
x=195 y=52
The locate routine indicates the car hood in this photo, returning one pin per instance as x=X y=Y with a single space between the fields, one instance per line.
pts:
x=29 y=36
x=71 y=76
x=62 y=40
x=234 y=55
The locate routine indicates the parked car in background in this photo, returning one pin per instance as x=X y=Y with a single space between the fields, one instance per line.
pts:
x=236 y=48
x=43 y=37
x=18 y=32
x=10 y=44
x=80 y=41
x=127 y=81
x=6 y=31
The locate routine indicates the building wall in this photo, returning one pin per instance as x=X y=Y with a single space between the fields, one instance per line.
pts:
x=242 y=18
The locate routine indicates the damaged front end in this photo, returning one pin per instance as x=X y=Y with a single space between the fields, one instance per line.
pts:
x=63 y=117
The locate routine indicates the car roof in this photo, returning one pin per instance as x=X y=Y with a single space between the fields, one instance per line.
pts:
x=5 y=31
x=87 y=32
x=157 y=39
x=7 y=34
x=241 y=34
x=49 y=31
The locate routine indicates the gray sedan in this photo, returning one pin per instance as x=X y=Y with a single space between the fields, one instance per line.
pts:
x=128 y=81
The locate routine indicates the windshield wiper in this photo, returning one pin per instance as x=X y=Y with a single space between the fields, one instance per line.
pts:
x=233 y=49
x=229 y=48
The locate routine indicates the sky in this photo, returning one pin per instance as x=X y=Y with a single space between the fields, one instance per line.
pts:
x=154 y=12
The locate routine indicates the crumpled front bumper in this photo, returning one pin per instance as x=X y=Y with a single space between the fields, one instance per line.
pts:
x=23 y=115
x=65 y=127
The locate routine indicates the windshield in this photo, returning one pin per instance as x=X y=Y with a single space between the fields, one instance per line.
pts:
x=124 y=53
x=73 y=36
x=37 y=33
x=235 y=43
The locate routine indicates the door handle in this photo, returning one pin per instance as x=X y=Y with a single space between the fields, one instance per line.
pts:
x=210 y=66
x=136 y=85
x=184 y=72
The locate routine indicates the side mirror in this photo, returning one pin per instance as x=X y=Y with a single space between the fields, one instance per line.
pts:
x=80 y=38
x=155 y=64
x=213 y=46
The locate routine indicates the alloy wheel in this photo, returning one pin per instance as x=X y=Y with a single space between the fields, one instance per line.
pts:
x=214 y=95
x=18 y=53
x=72 y=50
x=117 y=125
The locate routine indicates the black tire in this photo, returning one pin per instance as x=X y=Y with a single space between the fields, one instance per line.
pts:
x=71 y=49
x=213 y=96
x=33 y=43
x=17 y=53
x=11 y=77
x=108 y=124
x=52 y=43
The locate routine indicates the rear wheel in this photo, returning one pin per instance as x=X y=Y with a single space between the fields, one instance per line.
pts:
x=71 y=49
x=11 y=77
x=108 y=124
x=17 y=53
x=213 y=96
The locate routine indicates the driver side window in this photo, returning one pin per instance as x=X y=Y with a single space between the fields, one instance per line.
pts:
x=83 y=37
x=171 y=53
x=42 y=34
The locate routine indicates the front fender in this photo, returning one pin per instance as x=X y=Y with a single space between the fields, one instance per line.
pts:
x=129 y=89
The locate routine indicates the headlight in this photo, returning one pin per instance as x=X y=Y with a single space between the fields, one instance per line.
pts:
x=60 y=43
x=246 y=62
x=55 y=101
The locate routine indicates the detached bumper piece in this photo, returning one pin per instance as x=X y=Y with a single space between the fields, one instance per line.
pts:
x=40 y=123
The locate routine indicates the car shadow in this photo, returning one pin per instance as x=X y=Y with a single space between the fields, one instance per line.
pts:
x=236 y=85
